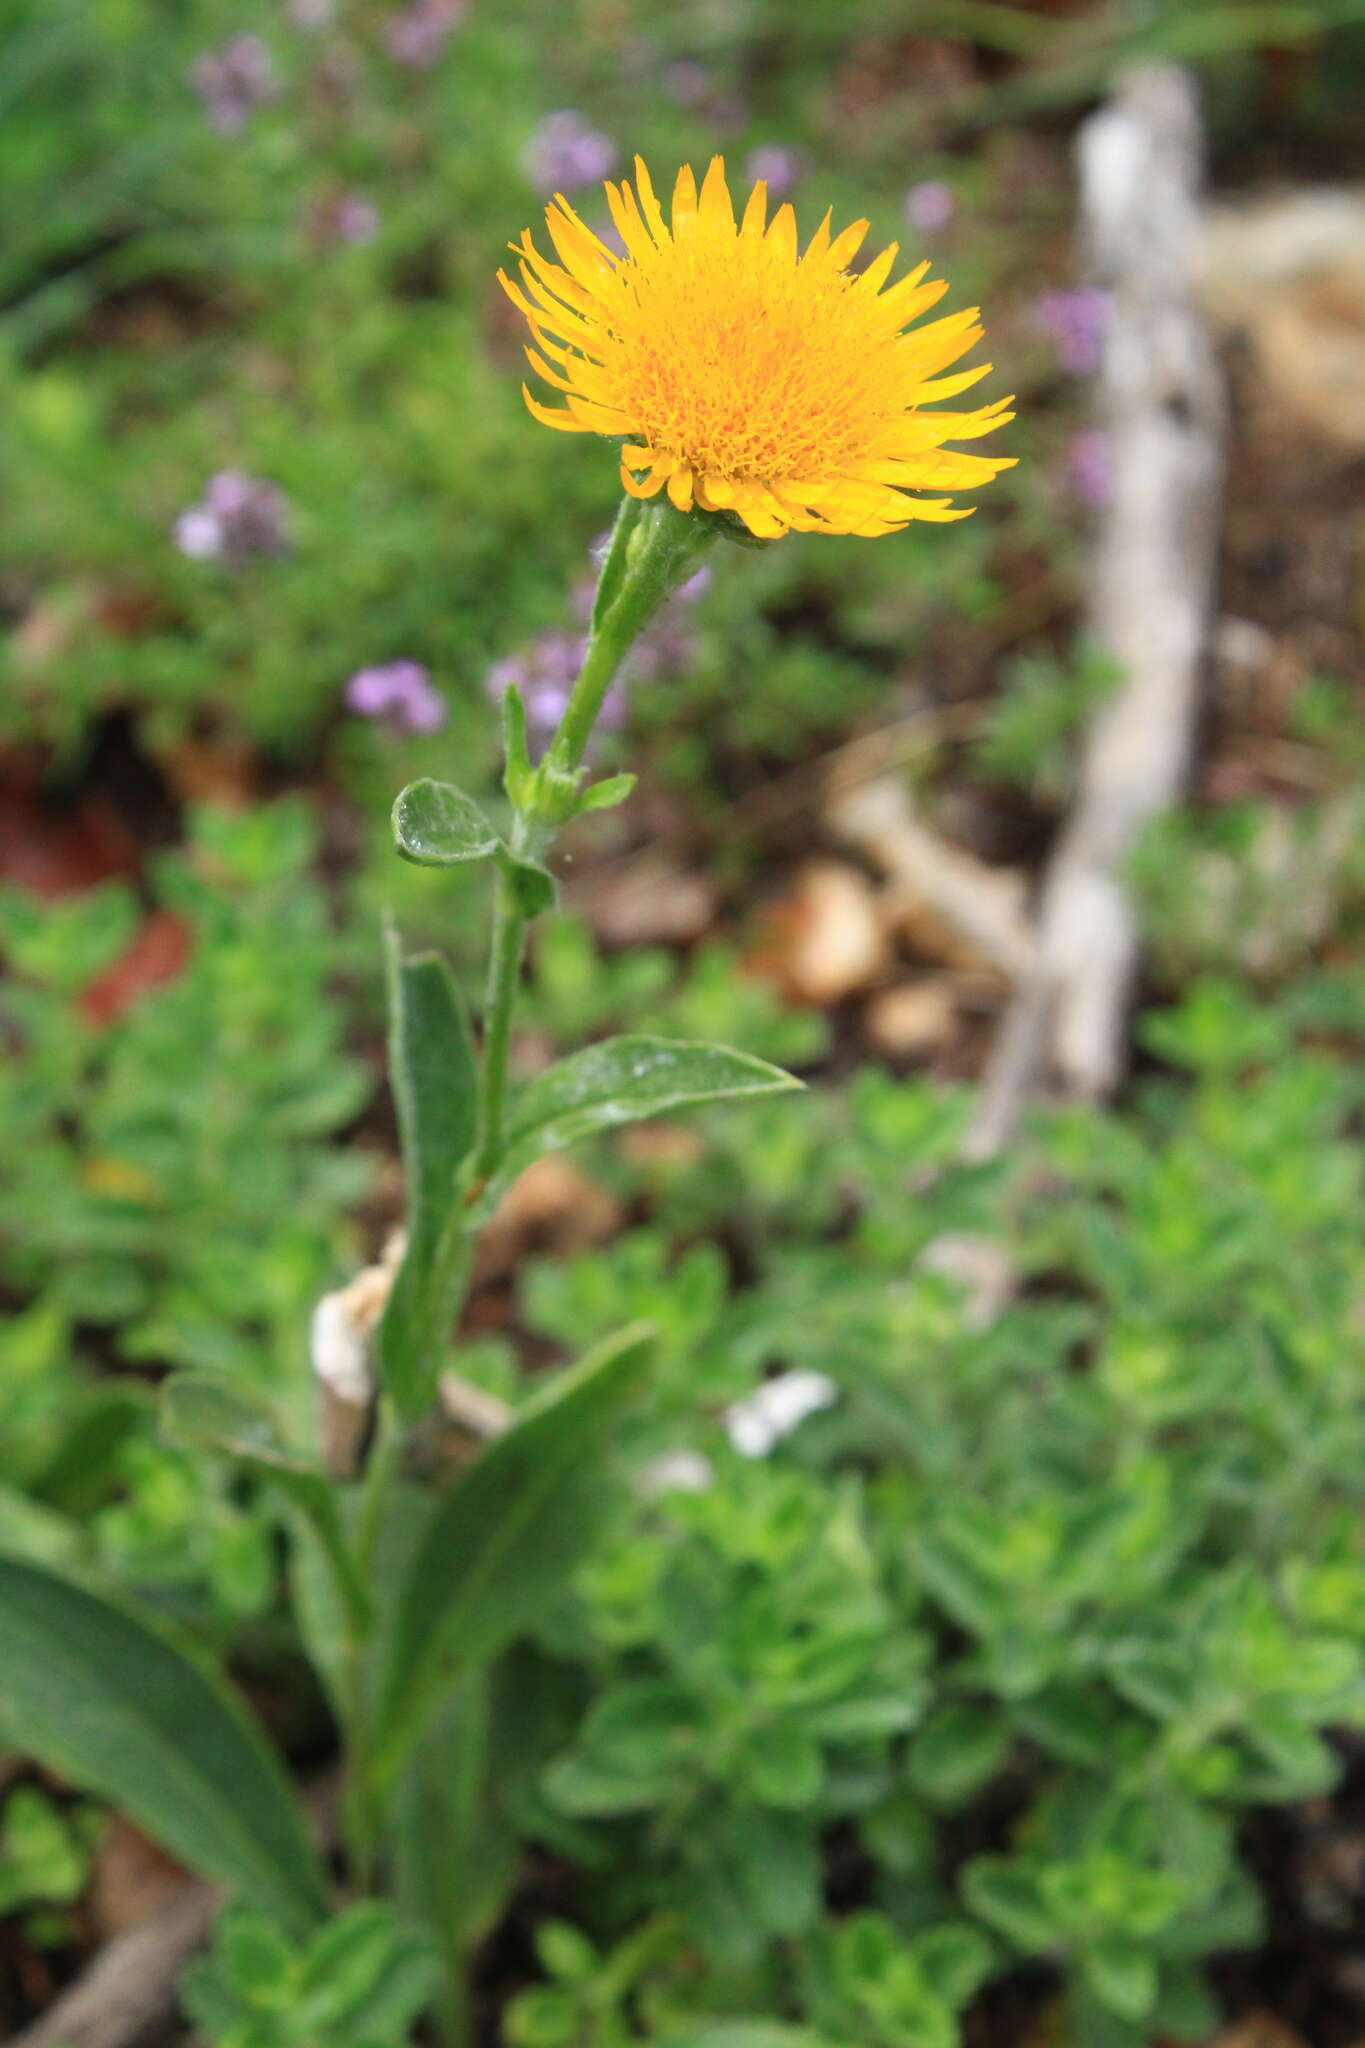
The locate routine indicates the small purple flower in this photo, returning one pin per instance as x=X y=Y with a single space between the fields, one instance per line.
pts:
x=233 y=81
x=311 y=14
x=238 y=517
x=1090 y=466
x=401 y=693
x=416 y=34
x=773 y=165
x=686 y=83
x=565 y=153
x=930 y=205
x=350 y=218
x=1077 y=322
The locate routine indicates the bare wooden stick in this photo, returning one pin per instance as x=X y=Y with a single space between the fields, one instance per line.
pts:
x=129 y=1988
x=1151 y=598
x=980 y=903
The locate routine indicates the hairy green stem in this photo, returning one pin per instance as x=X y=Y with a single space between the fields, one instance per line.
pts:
x=504 y=973
x=653 y=551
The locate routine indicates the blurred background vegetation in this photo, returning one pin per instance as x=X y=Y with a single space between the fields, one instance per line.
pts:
x=1076 y=1551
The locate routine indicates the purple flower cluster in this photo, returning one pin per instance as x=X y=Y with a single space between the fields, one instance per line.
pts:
x=773 y=165
x=546 y=670
x=565 y=153
x=930 y=206
x=399 y=692
x=238 y=517
x=1090 y=466
x=346 y=217
x=416 y=35
x=1077 y=321
x=233 y=81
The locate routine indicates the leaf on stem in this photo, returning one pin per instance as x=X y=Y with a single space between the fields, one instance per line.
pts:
x=505 y=1539
x=93 y=1692
x=435 y=1083
x=199 y=1412
x=623 y=1080
x=437 y=825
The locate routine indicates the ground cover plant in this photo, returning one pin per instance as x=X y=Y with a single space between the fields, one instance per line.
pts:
x=732 y=1578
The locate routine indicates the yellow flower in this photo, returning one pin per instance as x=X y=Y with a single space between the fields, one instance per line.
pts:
x=748 y=377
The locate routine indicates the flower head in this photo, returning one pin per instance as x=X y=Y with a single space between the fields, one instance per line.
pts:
x=930 y=205
x=238 y=516
x=566 y=152
x=401 y=692
x=233 y=80
x=745 y=375
x=417 y=34
x=1077 y=321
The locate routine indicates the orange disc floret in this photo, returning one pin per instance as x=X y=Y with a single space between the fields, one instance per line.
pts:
x=747 y=375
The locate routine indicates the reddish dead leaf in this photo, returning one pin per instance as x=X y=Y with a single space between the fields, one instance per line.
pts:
x=57 y=851
x=156 y=954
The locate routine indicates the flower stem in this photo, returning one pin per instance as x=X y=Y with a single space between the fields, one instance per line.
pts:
x=504 y=972
x=654 y=549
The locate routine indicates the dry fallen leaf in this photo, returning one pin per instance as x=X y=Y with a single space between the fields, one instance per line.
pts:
x=913 y=1019
x=826 y=938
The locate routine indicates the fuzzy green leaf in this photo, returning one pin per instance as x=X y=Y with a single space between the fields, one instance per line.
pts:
x=435 y=1084
x=623 y=1080
x=437 y=825
x=96 y=1694
x=506 y=1537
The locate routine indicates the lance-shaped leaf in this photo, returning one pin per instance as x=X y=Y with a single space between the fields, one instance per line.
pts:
x=198 y=1411
x=437 y=825
x=435 y=1084
x=93 y=1692
x=624 y=1079
x=506 y=1537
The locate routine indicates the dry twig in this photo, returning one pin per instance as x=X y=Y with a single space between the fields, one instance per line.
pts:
x=1151 y=600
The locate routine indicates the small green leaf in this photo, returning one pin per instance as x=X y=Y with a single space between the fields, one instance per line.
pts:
x=506 y=1537
x=534 y=886
x=624 y=1079
x=517 y=754
x=200 y=1412
x=93 y=1692
x=435 y=1084
x=782 y=1766
x=1007 y=1898
x=605 y=795
x=958 y=1750
x=1121 y=1977
x=437 y=825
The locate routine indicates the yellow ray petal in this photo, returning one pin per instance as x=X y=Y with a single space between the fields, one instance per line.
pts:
x=756 y=211
x=551 y=416
x=684 y=198
x=649 y=487
x=782 y=234
x=715 y=206
x=649 y=204
x=629 y=224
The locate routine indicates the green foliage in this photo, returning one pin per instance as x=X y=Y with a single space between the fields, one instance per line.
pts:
x=1030 y=728
x=503 y=1541
x=360 y=1982
x=171 y=1189
x=1100 y=1543
x=435 y=1084
x=101 y=1697
x=45 y=1857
